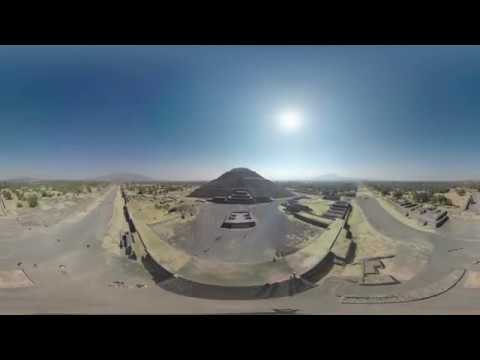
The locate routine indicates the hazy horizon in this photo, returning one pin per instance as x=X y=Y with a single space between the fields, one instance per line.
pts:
x=173 y=179
x=185 y=113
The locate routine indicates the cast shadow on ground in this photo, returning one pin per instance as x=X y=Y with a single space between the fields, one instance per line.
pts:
x=178 y=285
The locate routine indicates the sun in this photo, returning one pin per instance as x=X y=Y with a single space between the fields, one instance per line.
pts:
x=290 y=120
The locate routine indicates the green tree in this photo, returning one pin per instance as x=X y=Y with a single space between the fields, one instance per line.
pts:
x=397 y=194
x=442 y=200
x=32 y=201
x=19 y=195
x=7 y=195
x=421 y=197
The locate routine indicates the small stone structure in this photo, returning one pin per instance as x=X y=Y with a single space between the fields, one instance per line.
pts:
x=426 y=216
x=239 y=220
x=292 y=205
x=240 y=196
x=338 y=210
x=428 y=292
x=373 y=276
x=432 y=218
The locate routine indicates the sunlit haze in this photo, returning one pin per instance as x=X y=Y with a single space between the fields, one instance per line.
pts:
x=193 y=112
x=290 y=120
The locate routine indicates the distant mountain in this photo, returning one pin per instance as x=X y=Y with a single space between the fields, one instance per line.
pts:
x=22 y=180
x=124 y=177
x=333 y=177
x=241 y=178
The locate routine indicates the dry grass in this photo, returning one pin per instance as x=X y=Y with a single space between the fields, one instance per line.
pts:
x=472 y=280
x=390 y=208
x=456 y=199
x=369 y=241
x=319 y=206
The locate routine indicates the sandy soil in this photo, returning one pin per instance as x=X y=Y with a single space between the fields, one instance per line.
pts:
x=306 y=233
x=392 y=210
x=317 y=204
x=472 y=280
x=50 y=210
x=178 y=227
x=87 y=286
x=116 y=226
x=408 y=259
x=164 y=207
x=369 y=242
x=456 y=199
x=404 y=270
x=201 y=235
x=14 y=279
x=165 y=222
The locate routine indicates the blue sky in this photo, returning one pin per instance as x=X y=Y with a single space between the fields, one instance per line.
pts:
x=193 y=112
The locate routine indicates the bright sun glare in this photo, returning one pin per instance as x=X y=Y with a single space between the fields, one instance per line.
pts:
x=290 y=120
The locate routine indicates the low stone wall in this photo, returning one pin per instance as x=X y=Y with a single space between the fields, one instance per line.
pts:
x=312 y=219
x=309 y=264
x=3 y=208
x=190 y=288
x=425 y=293
x=343 y=248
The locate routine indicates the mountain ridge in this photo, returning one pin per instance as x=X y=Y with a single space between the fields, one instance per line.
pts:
x=123 y=177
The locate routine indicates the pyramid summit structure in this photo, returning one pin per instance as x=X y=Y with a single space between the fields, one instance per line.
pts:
x=239 y=180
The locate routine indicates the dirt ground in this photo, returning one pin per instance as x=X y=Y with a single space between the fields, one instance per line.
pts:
x=457 y=200
x=317 y=204
x=164 y=205
x=408 y=259
x=185 y=223
x=116 y=226
x=51 y=209
x=14 y=279
x=472 y=280
x=269 y=235
x=392 y=210
x=369 y=243
x=166 y=212
x=68 y=277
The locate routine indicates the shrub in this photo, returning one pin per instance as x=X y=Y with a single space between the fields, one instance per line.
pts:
x=19 y=205
x=19 y=195
x=397 y=194
x=421 y=197
x=44 y=194
x=442 y=200
x=33 y=201
x=7 y=195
